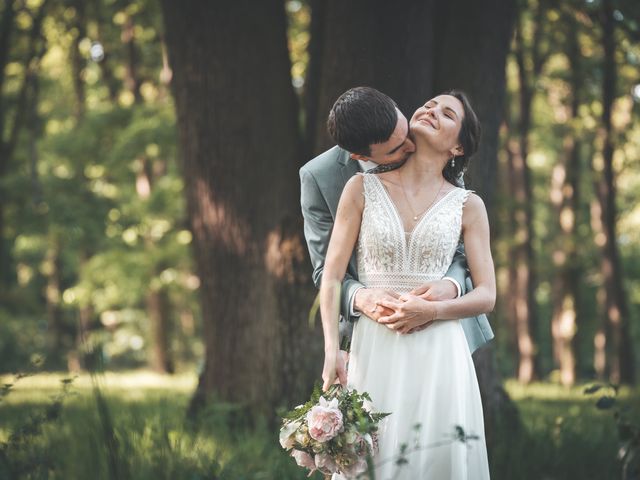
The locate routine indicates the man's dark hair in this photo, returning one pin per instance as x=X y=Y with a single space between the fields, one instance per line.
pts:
x=360 y=117
x=469 y=138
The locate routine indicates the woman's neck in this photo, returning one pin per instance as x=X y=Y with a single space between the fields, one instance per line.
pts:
x=425 y=165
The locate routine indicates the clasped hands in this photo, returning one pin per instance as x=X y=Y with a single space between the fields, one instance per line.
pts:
x=407 y=313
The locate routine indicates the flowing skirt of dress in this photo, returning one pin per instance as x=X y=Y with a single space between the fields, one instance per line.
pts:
x=427 y=381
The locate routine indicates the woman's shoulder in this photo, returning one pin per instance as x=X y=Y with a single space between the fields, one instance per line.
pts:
x=474 y=207
x=354 y=188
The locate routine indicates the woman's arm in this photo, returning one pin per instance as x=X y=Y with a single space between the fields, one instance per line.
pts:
x=475 y=231
x=343 y=239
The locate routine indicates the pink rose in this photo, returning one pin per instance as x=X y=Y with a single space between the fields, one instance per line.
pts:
x=303 y=459
x=324 y=420
x=354 y=469
x=325 y=463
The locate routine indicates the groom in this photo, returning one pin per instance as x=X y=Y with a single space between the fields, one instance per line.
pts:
x=371 y=132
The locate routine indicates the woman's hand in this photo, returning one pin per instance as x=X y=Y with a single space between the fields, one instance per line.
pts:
x=334 y=369
x=410 y=313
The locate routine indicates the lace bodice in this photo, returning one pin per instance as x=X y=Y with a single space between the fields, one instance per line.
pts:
x=388 y=257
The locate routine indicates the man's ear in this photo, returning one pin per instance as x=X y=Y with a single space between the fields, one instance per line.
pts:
x=357 y=156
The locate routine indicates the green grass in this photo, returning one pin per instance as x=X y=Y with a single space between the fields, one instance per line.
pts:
x=153 y=439
x=565 y=436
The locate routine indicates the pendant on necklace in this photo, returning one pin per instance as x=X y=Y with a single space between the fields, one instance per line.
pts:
x=415 y=219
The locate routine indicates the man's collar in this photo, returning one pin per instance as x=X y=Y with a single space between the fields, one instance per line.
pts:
x=366 y=165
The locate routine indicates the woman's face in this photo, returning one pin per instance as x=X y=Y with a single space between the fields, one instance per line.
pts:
x=439 y=121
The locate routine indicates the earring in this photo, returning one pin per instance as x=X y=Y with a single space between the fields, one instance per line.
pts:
x=453 y=161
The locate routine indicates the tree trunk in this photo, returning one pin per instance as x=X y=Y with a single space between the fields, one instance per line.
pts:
x=35 y=51
x=77 y=59
x=520 y=268
x=158 y=309
x=131 y=77
x=478 y=67
x=621 y=364
x=565 y=198
x=523 y=265
x=352 y=54
x=6 y=30
x=113 y=84
x=239 y=149
x=55 y=326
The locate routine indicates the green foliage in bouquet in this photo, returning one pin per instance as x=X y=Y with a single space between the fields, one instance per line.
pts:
x=352 y=400
x=335 y=431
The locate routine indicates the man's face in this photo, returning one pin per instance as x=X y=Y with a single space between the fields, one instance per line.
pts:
x=396 y=149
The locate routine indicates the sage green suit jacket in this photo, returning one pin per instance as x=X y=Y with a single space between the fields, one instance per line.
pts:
x=322 y=180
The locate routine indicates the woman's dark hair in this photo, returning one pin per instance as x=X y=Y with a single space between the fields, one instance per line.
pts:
x=360 y=117
x=469 y=138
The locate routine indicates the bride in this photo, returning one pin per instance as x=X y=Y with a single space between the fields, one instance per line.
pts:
x=405 y=225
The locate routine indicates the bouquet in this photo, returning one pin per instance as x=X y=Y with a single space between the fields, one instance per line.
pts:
x=334 y=432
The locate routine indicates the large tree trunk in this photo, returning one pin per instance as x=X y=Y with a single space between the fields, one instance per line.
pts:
x=237 y=126
x=398 y=62
x=428 y=47
x=621 y=364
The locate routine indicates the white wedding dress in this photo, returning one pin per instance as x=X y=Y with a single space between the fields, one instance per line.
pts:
x=427 y=378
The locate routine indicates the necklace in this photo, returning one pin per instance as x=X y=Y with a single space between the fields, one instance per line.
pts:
x=404 y=192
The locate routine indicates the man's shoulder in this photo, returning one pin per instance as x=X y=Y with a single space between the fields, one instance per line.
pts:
x=332 y=159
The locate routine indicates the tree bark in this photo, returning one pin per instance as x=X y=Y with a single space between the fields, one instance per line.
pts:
x=240 y=148
x=77 y=60
x=132 y=79
x=113 y=84
x=565 y=197
x=398 y=63
x=55 y=326
x=621 y=363
x=158 y=309
x=35 y=51
x=523 y=267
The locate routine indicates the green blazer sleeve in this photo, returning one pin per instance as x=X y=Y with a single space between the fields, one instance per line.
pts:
x=458 y=269
x=318 y=223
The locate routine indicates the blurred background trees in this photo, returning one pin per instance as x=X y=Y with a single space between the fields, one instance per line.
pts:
x=101 y=217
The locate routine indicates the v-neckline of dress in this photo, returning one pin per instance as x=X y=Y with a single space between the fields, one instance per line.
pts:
x=406 y=233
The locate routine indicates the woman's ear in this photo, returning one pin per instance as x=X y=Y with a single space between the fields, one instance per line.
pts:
x=357 y=156
x=457 y=151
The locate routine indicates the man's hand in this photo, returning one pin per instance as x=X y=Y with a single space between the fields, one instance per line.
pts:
x=367 y=300
x=334 y=369
x=410 y=313
x=436 y=290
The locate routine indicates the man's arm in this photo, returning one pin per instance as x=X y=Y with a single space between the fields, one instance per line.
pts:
x=459 y=270
x=452 y=285
x=318 y=223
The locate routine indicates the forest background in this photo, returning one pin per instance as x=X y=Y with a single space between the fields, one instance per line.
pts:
x=149 y=214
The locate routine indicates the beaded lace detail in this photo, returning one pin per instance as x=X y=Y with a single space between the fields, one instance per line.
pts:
x=388 y=257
